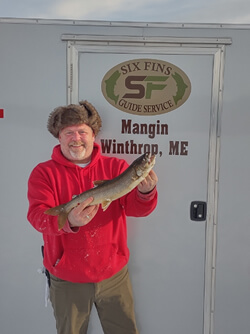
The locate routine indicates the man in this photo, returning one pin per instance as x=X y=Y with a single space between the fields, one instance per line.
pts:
x=87 y=259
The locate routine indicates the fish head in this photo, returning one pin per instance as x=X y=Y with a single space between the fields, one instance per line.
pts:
x=144 y=164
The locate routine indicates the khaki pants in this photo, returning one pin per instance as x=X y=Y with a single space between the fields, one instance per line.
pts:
x=72 y=303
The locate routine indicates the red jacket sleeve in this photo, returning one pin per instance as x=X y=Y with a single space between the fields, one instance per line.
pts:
x=137 y=204
x=41 y=197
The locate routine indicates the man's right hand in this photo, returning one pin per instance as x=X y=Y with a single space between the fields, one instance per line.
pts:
x=83 y=213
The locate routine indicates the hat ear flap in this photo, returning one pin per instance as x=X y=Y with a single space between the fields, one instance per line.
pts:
x=85 y=105
x=54 y=122
x=95 y=121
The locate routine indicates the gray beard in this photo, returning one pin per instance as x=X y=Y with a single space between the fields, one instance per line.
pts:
x=78 y=156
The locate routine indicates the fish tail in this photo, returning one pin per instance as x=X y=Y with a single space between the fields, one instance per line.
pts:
x=55 y=211
x=62 y=218
x=60 y=212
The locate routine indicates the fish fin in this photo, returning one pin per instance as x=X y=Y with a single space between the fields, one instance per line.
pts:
x=61 y=213
x=55 y=211
x=99 y=182
x=62 y=218
x=105 y=204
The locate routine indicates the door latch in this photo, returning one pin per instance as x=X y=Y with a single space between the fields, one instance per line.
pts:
x=198 y=210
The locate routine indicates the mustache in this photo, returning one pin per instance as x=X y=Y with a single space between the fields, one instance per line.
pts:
x=72 y=143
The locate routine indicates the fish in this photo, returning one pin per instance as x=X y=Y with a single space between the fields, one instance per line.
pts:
x=106 y=191
x=181 y=87
x=110 y=86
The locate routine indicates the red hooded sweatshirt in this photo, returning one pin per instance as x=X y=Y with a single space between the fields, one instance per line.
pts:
x=98 y=250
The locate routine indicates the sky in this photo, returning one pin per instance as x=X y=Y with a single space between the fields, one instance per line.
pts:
x=168 y=11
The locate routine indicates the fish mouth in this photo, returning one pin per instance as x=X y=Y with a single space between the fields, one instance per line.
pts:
x=149 y=157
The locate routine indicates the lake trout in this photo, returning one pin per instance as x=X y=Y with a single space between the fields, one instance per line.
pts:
x=107 y=191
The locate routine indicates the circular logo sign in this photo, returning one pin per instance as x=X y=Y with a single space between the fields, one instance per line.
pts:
x=146 y=87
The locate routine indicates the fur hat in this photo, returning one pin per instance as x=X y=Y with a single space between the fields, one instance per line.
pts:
x=74 y=114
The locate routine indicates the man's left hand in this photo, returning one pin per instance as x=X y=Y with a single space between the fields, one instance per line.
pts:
x=148 y=183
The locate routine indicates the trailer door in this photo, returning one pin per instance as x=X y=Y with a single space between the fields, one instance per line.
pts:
x=172 y=250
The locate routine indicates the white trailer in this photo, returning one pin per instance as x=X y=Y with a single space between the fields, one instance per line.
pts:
x=189 y=264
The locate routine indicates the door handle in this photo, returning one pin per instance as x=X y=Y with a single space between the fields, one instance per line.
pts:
x=198 y=211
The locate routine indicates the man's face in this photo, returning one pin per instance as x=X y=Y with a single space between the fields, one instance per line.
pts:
x=77 y=143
